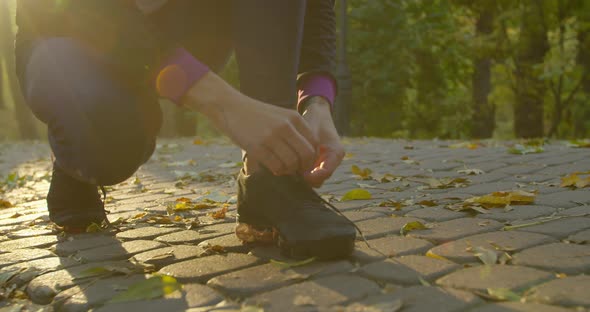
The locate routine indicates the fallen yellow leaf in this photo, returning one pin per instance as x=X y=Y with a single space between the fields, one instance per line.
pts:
x=364 y=173
x=356 y=194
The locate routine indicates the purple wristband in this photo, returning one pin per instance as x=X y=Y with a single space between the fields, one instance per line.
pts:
x=177 y=74
x=316 y=85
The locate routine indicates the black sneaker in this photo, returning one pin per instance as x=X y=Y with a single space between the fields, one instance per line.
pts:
x=73 y=204
x=284 y=209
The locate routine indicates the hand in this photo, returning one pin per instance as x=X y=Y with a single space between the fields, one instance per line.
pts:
x=331 y=151
x=278 y=138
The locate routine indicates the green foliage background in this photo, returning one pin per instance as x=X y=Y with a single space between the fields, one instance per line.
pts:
x=412 y=65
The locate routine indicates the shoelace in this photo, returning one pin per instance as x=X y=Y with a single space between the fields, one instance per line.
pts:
x=104 y=200
x=337 y=211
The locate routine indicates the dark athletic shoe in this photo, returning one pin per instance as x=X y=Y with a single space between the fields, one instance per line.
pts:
x=72 y=204
x=287 y=211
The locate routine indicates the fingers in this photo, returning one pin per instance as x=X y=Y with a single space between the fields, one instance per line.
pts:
x=328 y=162
x=287 y=157
x=304 y=151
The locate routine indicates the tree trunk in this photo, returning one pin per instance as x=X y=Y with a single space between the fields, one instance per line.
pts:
x=530 y=89
x=483 y=118
x=23 y=115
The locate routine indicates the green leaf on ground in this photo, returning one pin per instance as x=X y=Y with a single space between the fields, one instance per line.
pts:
x=154 y=287
x=288 y=265
x=411 y=226
x=356 y=194
x=579 y=143
x=503 y=294
x=93 y=228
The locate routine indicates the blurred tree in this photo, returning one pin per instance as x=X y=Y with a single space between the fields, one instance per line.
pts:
x=23 y=114
x=530 y=89
x=484 y=113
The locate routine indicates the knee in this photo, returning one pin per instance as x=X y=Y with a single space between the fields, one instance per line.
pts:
x=118 y=159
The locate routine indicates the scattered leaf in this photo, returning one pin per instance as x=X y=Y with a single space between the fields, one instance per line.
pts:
x=575 y=181
x=409 y=161
x=5 y=204
x=93 y=228
x=288 y=265
x=486 y=256
x=198 y=142
x=219 y=214
x=412 y=226
x=424 y=282
x=560 y=275
x=231 y=164
x=364 y=173
x=392 y=203
x=579 y=143
x=427 y=203
x=445 y=183
x=432 y=255
x=356 y=194
x=502 y=199
x=154 y=287
x=471 y=171
x=468 y=145
x=520 y=149
x=503 y=294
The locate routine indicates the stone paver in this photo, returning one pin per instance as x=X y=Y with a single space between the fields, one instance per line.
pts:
x=425 y=298
x=580 y=238
x=481 y=278
x=243 y=283
x=117 y=251
x=168 y=255
x=569 y=291
x=147 y=232
x=43 y=288
x=81 y=298
x=201 y=270
x=546 y=263
x=518 y=307
x=29 y=242
x=75 y=244
x=408 y=270
x=558 y=257
x=383 y=226
x=192 y=296
x=560 y=228
x=461 y=250
x=22 y=255
x=389 y=246
x=325 y=291
x=449 y=230
x=197 y=235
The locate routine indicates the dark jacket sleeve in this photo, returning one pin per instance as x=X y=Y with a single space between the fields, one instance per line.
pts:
x=116 y=29
x=318 y=51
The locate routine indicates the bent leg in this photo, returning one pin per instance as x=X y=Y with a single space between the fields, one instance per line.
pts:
x=99 y=131
x=267 y=35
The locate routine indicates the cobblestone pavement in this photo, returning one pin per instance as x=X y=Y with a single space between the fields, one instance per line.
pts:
x=466 y=257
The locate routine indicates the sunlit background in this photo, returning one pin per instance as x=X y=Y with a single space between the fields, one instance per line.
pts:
x=421 y=69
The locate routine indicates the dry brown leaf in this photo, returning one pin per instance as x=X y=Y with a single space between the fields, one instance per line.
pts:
x=427 y=203
x=5 y=204
x=219 y=214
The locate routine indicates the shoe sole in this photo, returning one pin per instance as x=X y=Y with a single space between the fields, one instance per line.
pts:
x=327 y=249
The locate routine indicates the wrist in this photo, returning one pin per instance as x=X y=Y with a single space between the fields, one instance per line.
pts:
x=318 y=105
x=212 y=96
